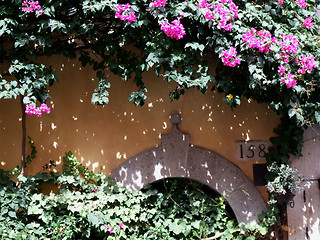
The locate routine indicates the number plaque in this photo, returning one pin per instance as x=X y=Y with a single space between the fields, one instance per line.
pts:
x=251 y=150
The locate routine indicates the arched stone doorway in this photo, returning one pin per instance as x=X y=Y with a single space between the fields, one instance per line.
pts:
x=176 y=158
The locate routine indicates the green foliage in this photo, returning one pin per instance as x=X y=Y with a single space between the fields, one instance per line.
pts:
x=168 y=209
x=287 y=142
x=72 y=167
x=287 y=179
x=30 y=157
x=88 y=31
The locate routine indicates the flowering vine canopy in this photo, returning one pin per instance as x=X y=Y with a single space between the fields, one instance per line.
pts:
x=266 y=50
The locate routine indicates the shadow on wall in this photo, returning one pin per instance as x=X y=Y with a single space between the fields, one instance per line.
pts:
x=303 y=216
x=175 y=158
x=103 y=138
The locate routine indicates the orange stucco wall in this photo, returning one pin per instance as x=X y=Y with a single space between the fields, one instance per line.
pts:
x=102 y=138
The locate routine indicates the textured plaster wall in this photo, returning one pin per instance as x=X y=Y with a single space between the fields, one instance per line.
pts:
x=303 y=214
x=103 y=138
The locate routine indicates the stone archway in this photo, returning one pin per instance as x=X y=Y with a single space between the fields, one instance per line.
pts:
x=176 y=158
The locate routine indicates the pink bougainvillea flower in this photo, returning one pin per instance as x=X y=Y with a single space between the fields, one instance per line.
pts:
x=44 y=108
x=281 y=69
x=131 y=17
x=289 y=80
x=290 y=44
x=222 y=13
x=227 y=27
x=280 y=2
x=285 y=57
x=158 y=3
x=234 y=9
x=203 y=4
x=29 y=6
x=208 y=15
x=32 y=110
x=230 y=58
x=110 y=230
x=259 y=39
x=121 y=225
x=308 y=23
x=174 y=30
x=302 y=3
x=307 y=63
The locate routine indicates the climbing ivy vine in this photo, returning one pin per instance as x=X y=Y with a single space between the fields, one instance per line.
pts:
x=87 y=205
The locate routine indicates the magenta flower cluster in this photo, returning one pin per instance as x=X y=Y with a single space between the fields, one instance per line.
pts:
x=290 y=44
x=223 y=12
x=308 y=23
x=33 y=110
x=230 y=58
x=302 y=3
x=29 y=6
x=131 y=17
x=158 y=3
x=281 y=70
x=173 y=30
x=289 y=80
x=306 y=63
x=289 y=48
x=261 y=39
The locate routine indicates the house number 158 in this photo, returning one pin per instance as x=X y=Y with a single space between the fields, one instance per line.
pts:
x=252 y=150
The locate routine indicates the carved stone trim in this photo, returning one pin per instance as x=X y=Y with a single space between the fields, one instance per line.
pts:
x=176 y=158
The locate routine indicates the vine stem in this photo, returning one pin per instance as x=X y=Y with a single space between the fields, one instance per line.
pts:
x=24 y=137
